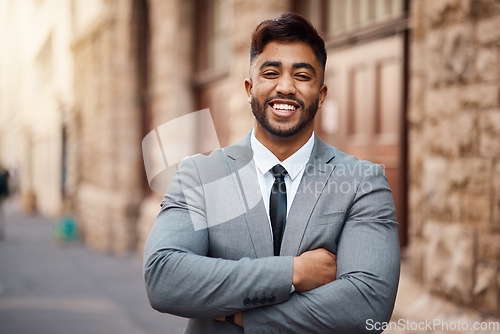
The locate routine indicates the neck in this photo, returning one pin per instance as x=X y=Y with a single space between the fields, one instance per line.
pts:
x=283 y=147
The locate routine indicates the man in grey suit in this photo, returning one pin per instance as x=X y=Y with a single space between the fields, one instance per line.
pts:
x=278 y=233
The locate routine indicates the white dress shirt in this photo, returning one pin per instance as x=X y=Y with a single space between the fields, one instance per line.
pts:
x=294 y=165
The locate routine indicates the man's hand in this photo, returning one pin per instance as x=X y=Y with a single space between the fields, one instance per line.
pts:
x=313 y=269
x=238 y=319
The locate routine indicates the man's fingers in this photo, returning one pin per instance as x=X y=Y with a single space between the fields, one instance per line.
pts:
x=314 y=268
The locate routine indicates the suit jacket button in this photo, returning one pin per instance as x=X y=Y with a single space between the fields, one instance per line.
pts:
x=255 y=301
x=263 y=300
x=271 y=299
x=247 y=302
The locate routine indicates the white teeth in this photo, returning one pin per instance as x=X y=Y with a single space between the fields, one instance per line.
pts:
x=283 y=106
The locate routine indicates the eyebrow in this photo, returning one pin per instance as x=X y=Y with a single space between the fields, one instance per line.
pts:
x=304 y=65
x=274 y=63
x=270 y=63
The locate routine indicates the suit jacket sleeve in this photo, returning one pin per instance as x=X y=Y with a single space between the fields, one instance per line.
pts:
x=367 y=272
x=181 y=279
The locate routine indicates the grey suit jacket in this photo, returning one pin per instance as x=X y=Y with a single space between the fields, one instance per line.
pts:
x=210 y=254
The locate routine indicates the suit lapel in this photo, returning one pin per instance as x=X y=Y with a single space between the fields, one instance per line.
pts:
x=314 y=180
x=242 y=168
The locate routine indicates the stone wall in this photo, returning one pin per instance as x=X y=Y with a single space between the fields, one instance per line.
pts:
x=454 y=149
x=105 y=159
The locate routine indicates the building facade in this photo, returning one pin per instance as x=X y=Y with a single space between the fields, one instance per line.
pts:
x=454 y=135
x=105 y=184
x=36 y=92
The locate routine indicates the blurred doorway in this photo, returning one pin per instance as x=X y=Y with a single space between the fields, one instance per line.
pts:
x=140 y=39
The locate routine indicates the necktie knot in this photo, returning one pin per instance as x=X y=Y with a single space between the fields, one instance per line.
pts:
x=278 y=172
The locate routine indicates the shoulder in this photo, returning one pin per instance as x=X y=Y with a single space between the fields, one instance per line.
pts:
x=347 y=164
x=216 y=164
x=200 y=165
x=365 y=166
x=237 y=150
x=200 y=160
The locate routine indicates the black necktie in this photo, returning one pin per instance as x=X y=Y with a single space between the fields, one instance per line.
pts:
x=277 y=206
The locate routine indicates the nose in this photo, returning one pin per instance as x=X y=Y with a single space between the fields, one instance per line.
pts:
x=286 y=85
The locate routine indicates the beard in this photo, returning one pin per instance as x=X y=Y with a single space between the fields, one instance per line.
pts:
x=282 y=128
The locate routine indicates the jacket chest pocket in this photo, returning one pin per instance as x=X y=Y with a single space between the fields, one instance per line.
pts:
x=335 y=218
x=323 y=231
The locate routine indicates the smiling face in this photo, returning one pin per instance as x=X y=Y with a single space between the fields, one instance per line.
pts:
x=285 y=91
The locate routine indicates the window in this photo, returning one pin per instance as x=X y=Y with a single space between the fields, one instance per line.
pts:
x=357 y=19
x=345 y=15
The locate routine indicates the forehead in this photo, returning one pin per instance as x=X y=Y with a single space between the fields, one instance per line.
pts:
x=288 y=53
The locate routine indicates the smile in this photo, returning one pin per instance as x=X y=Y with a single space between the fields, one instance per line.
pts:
x=284 y=108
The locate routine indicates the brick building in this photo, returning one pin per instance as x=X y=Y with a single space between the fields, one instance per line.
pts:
x=413 y=85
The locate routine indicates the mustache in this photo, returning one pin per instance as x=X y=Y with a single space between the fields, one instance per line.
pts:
x=285 y=97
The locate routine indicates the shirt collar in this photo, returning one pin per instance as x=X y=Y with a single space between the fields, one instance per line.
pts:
x=294 y=164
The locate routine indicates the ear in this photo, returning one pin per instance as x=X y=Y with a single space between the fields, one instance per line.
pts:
x=322 y=95
x=248 y=88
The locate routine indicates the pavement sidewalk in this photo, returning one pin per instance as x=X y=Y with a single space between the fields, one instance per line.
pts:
x=48 y=287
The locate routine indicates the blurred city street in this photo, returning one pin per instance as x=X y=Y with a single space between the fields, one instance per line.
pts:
x=50 y=287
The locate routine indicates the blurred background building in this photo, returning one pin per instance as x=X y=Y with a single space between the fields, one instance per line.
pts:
x=413 y=85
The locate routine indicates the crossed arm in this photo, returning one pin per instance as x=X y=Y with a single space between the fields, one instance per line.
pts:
x=182 y=280
x=311 y=270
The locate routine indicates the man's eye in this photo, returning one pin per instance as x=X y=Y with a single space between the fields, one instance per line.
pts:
x=303 y=77
x=270 y=74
